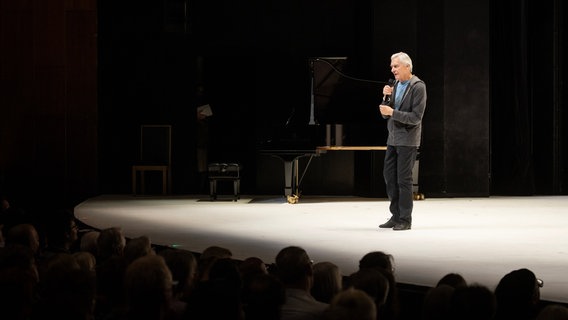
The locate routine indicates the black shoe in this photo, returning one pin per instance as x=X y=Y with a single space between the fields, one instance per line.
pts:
x=403 y=225
x=389 y=224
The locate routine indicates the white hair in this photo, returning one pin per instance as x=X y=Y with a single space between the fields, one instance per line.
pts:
x=403 y=58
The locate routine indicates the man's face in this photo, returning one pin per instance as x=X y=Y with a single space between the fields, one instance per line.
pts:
x=400 y=71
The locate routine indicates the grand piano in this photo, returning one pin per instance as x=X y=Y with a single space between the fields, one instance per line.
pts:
x=342 y=116
x=290 y=146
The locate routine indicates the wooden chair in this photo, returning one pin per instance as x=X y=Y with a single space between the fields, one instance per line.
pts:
x=155 y=155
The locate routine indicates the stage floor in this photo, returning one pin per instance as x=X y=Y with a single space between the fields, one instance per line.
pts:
x=481 y=238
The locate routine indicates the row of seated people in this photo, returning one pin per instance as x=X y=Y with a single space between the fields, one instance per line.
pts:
x=99 y=274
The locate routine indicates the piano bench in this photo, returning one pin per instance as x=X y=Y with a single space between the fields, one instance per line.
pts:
x=224 y=172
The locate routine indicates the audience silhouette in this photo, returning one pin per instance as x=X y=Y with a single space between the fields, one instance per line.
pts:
x=102 y=275
x=518 y=295
x=373 y=282
x=474 y=302
x=294 y=268
x=138 y=247
x=250 y=267
x=453 y=280
x=86 y=260
x=384 y=263
x=18 y=282
x=183 y=266
x=219 y=296
x=351 y=304
x=88 y=242
x=23 y=234
x=110 y=271
x=263 y=297
x=437 y=303
x=61 y=233
x=553 y=312
x=67 y=291
x=328 y=281
x=208 y=257
x=148 y=287
x=110 y=243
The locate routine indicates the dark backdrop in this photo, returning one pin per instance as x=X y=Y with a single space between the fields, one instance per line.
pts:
x=75 y=90
x=528 y=118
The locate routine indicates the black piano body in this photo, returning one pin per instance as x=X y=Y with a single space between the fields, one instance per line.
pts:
x=342 y=111
x=289 y=145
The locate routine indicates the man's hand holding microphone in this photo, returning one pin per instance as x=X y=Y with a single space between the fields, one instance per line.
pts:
x=386 y=110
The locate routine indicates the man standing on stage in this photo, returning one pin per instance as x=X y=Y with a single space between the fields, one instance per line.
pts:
x=404 y=122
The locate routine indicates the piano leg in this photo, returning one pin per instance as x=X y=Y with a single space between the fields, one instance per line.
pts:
x=291 y=174
x=291 y=177
x=291 y=180
x=288 y=178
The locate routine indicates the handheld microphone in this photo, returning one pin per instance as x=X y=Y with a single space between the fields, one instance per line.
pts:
x=386 y=97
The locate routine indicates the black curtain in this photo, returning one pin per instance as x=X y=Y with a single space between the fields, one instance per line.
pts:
x=524 y=115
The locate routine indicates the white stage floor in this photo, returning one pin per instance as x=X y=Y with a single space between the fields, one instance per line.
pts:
x=481 y=238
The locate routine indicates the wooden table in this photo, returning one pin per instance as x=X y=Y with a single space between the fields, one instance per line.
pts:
x=324 y=149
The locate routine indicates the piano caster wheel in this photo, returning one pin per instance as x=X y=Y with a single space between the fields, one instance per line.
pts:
x=293 y=199
x=418 y=196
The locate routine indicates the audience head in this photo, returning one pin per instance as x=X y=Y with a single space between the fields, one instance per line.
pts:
x=88 y=242
x=474 y=302
x=384 y=263
x=373 y=282
x=252 y=266
x=553 y=312
x=23 y=234
x=86 y=260
x=294 y=268
x=220 y=296
x=437 y=303
x=216 y=252
x=183 y=266
x=70 y=291
x=138 y=247
x=263 y=296
x=518 y=294
x=454 y=280
x=61 y=231
x=148 y=284
x=227 y=271
x=110 y=242
x=208 y=257
x=351 y=304
x=377 y=259
x=328 y=281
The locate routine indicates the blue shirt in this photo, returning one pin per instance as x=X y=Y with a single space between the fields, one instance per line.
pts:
x=400 y=93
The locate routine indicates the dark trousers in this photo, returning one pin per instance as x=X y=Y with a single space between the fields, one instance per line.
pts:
x=397 y=171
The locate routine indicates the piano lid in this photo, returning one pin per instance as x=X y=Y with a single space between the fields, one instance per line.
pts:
x=340 y=97
x=335 y=97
